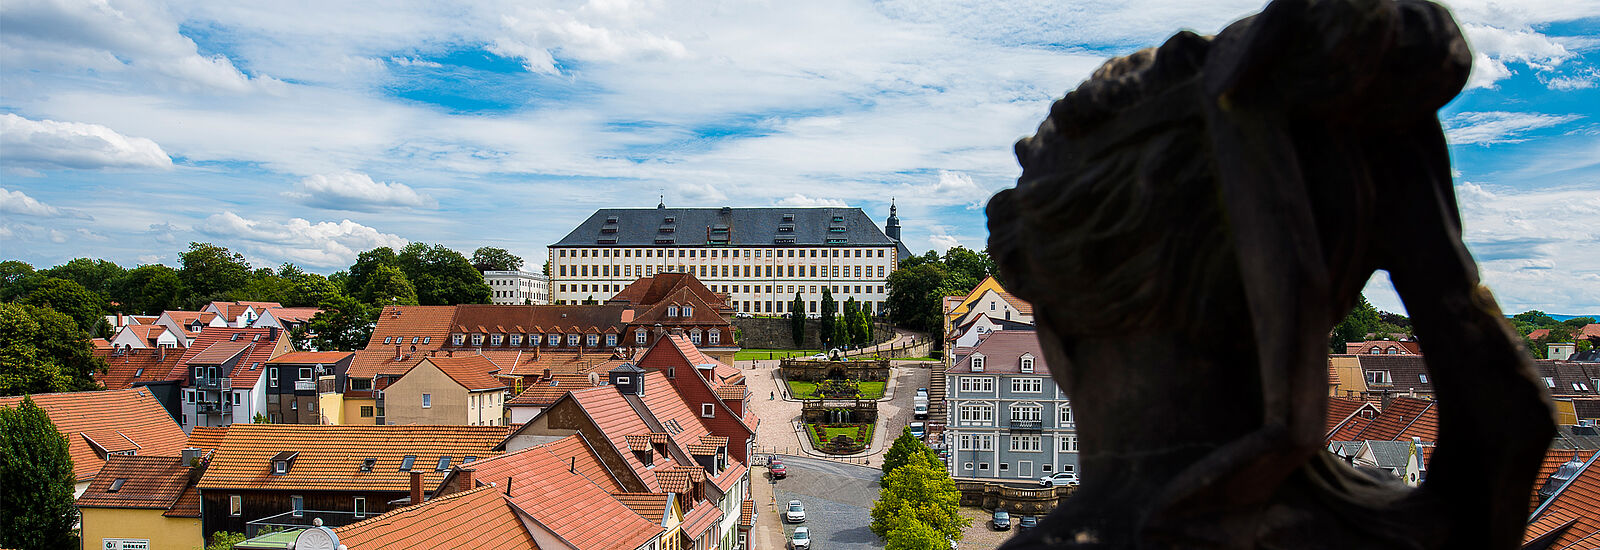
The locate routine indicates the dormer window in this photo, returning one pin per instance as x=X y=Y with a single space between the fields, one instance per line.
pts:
x=592 y=340
x=977 y=362
x=611 y=340
x=496 y=339
x=572 y=340
x=672 y=311
x=1379 y=377
x=694 y=336
x=455 y=339
x=639 y=337
x=477 y=339
x=281 y=462
x=714 y=337
x=688 y=311
x=533 y=339
x=516 y=339
x=1027 y=363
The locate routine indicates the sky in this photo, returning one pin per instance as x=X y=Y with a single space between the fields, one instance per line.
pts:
x=307 y=132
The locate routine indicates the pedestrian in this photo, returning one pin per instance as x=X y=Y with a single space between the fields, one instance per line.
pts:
x=772 y=396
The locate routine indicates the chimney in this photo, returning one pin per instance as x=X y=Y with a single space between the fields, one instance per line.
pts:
x=508 y=485
x=466 y=479
x=397 y=355
x=163 y=352
x=416 y=487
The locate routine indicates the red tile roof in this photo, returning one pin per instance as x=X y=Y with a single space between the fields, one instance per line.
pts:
x=1341 y=410
x=703 y=516
x=480 y=518
x=149 y=482
x=207 y=438
x=1553 y=459
x=565 y=498
x=616 y=419
x=654 y=290
x=1538 y=333
x=1402 y=419
x=149 y=334
x=311 y=357
x=543 y=393
x=330 y=457
x=131 y=418
x=217 y=344
x=1577 y=509
x=136 y=365
x=1400 y=348
x=650 y=506
x=473 y=372
x=294 y=314
x=1023 y=307
x=425 y=322
x=1002 y=352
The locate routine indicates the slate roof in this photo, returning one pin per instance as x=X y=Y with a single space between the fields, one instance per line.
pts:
x=1406 y=372
x=330 y=457
x=136 y=366
x=1571 y=520
x=1002 y=354
x=150 y=482
x=129 y=419
x=744 y=227
x=479 y=518
x=1569 y=378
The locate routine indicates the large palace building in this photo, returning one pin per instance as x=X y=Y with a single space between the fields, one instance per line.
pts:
x=758 y=257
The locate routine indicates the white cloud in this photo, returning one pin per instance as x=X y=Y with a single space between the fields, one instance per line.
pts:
x=596 y=31
x=356 y=191
x=57 y=236
x=1535 y=248
x=1486 y=128
x=164 y=233
x=322 y=244
x=798 y=199
x=1496 y=47
x=942 y=242
x=51 y=144
x=17 y=202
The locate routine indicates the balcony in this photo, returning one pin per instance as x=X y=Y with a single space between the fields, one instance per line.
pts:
x=205 y=407
x=305 y=519
x=305 y=385
x=1029 y=425
x=213 y=383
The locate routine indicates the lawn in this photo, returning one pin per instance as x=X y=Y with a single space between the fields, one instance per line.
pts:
x=808 y=390
x=862 y=432
x=766 y=354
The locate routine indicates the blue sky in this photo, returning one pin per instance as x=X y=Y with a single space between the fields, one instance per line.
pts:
x=307 y=132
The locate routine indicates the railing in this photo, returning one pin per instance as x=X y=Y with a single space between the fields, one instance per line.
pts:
x=213 y=408
x=305 y=385
x=1026 y=424
x=213 y=383
x=289 y=521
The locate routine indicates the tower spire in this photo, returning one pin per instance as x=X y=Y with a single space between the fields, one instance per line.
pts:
x=891 y=227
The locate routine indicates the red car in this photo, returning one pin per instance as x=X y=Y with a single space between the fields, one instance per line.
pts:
x=776 y=467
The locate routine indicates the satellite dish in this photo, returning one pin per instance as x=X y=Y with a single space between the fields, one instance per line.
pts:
x=594 y=379
x=316 y=538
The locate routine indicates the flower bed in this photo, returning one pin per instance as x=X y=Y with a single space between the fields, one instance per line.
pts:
x=840 y=438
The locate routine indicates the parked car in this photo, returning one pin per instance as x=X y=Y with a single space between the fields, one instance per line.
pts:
x=1001 y=520
x=1025 y=523
x=918 y=429
x=1059 y=478
x=777 y=469
x=801 y=538
x=819 y=357
x=920 y=410
x=796 y=512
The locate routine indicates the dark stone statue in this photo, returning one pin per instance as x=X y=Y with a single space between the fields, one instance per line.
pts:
x=1192 y=221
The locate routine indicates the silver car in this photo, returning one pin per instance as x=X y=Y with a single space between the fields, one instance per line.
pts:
x=796 y=512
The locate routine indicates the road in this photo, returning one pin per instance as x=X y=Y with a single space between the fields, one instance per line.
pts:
x=838 y=501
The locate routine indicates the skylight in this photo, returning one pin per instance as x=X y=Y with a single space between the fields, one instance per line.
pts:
x=405 y=463
x=444 y=463
x=366 y=465
x=116 y=484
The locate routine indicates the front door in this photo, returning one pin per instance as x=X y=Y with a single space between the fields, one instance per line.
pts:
x=1025 y=469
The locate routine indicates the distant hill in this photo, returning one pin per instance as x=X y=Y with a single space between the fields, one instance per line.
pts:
x=1559 y=317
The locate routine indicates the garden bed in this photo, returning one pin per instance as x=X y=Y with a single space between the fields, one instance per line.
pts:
x=831 y=438
x=808 y=390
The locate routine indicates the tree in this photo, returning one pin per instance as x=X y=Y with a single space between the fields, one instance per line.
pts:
x=919 y=491
x=308 y=290
x=95 y=275
x=825 y=325
x=1362 y=320
x=495 y=259
x=359 y=278
x=224 y=540
x=208 y=271
x=442 y=276
x=44 y=351
x=17 y=279
x=970 y=265
x=797 y=321
x=388 y=286
x=904 y=449
x=343 y=324
x=914 y=298
x=36 y=479
x=84 y=306
x=910 y=534
x=148 y=290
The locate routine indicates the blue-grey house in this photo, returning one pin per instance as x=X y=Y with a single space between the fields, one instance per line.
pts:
x=1007 y=418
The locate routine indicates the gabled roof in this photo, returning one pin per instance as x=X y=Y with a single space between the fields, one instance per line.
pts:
x=129 y=419
x=615 y=418
x=149 y=334
x=479 y=518
x=1400 y=420
x=547 y=483
x=1553 y=460
x=149 y=482
x=1407 y=373
x=739 y=226
x=136 y=366
x=294 y=314
x=544 y=393
x=330 y=457
x=703 y=516
x=1002 y=354
x=1344 y=410
x=207 y=438
x=423 y=322
x=217 y=345
x=1023 y=307
x=650 y=506
x=1383 y=346
x=1569 y=377
x=311 y=357
x=473 y=372
x=659 y=288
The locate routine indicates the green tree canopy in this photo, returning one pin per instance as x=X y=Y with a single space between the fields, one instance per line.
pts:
x=17 y=279
x=84 y=306
x=825 y=329
x=343 y=324
x=95 y=275
x=442 y=276
x=495 y=259
x=209 y=272
x=388 y=286
x=921 y=491
x=797 y=321
x=44 y=351
x=36 y=479
x=308 y=290
x=970 y=265
x=914 y=297
x=359 y=278
x=148 y=290
x=904 y=449
x=1362 y=320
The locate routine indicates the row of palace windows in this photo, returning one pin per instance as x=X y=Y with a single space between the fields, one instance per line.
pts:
x=641 y=337
x=982 y=414
x=720 y=253
x=725 y=271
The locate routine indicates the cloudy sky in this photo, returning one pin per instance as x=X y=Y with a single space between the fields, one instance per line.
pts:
x=307 y=132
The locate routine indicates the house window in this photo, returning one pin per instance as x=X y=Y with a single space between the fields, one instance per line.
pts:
x=359 y=507
x=477 y=339
x=236 y=399
x=427 y=400
x=366 y=411
x=1027 y=385
x=688 y=311
x=1068 y=443
x=406 y=462
x=299 y=503
x=272 y=377
x=694 y=336
x=496 y=339
x=533 y=339
x=977 y=363
x=639 y=337
x=975 y=442
x=967 y=466
x=708 y=410
x=1423 y=378
x=977 y=384
x=976 y=414
x=1026 y=412
x=1381 y=377
x=1027 y=363
x=444 y=464
x=235 y=505
x=1064 y=416
x=1548 y=381
x=455 y=339
x=188 y=395
x=386 y=339
x=672 y=311
x=983 y=466
x=714 y=337
x=611 y=340
x=572 y=340
x=516 y=339
x=305 y=374
x=592 y=340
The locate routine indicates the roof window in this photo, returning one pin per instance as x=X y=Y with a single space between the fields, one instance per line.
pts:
x=669 y=219
x=611 y=219
x=116 y=484
x=788 y=217
x=468 y=459
x=367 y=464
x=234 y=338
x=838 y=219
x=444 y=464
x=405 y=463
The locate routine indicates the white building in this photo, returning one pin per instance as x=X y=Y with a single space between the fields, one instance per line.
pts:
x=517 y=288
x=758 y=257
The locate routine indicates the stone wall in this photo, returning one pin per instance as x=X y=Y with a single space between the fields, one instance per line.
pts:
x=1018 y=501
x=774 y=333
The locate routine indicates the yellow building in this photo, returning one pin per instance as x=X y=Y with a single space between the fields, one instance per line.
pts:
x=960 y=309
x=143 y=502
x=446 y=390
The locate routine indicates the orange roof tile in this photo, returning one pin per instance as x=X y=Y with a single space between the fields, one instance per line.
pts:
x=473 y=372
x=330 y=457
x=207 y=438
x=1341 y=410
x=1577 y=508
x=543 y=393
x=150 y=482
x=135 y=366
x=747 y=514
x=480 y=518
x=650 y=506
x=1402 y=419
x=133 y=414
x=1553 y=459
x=1023 y=307
x=430 y=325
x=703 y=516
x=546 y=484
x=294 y=314
x=311 y=357
x=616 y=419
x=256 y=344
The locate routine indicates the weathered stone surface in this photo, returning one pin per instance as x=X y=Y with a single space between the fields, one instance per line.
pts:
x=1192 y=221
